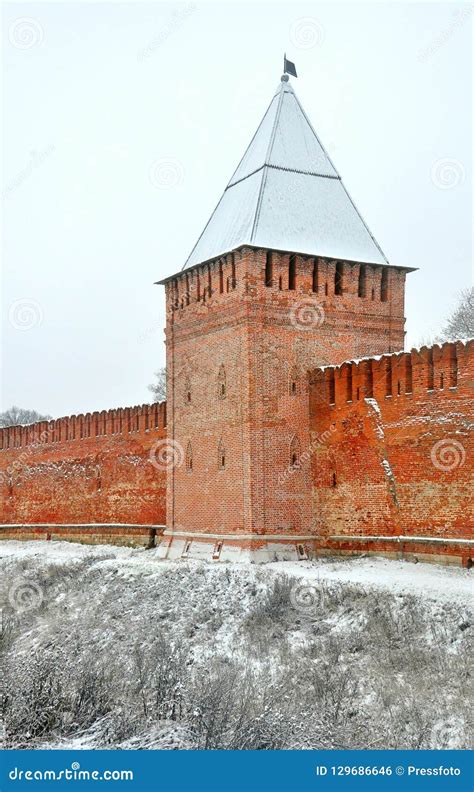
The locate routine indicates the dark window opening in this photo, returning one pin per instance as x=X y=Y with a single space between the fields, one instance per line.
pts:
x=234 y=282
x=269 y=269
x=221 y=456
x=294 y=452
x=315 y=275
x=186 y=549
x=388 y=377
x=217 y=550
x=292 y=273
x=430 y=378
x=408 y=375
x=333 y=480
x=326 y=290
x=280 y=283
x=384 y=286
x=349 y=384
x=189 y=458
x=221 y=382
x=358 y=394
x=332 y=387
x=453 y=368
x=441 y=381
x=294 y=381
x=302 y=554
x=369 y=381
x=362 y=281
x=398 y=388
x=187 y=391
x=221 y=278
x=338 y=277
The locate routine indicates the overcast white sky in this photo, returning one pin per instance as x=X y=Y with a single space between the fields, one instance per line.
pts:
x=122 y=123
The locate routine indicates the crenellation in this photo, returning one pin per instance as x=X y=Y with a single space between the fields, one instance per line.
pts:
x=91 y=425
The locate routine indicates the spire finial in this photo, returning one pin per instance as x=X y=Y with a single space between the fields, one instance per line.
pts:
x=288 y=68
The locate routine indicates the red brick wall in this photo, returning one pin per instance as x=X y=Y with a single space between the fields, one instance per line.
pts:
x=93 y=468
x=266 y=337
x=400 y=450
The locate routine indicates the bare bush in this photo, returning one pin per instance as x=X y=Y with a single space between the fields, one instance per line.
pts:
x=138 y=664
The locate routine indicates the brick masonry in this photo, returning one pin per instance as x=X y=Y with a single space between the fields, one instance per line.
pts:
x=93 y=477
x=270 y=441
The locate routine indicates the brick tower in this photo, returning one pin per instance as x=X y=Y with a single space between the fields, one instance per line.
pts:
x=286 y=276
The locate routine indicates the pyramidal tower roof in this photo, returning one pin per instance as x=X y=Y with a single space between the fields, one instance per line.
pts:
x=287 y=195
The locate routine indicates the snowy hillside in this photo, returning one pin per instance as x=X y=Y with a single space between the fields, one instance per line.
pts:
x=105 y=647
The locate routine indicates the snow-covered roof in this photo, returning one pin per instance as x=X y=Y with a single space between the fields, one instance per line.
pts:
x=287 y=195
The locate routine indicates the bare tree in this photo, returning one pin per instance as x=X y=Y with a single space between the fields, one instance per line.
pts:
x=460 y=324
x=158 y=388
x=15 y=416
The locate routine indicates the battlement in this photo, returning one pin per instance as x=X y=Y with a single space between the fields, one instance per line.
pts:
x=401 y=374
x=199 y=284
x=249 y=270
x=121 y=421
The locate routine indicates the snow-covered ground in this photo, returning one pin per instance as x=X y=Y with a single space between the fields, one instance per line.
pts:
x=105 y=646
x=449 y=583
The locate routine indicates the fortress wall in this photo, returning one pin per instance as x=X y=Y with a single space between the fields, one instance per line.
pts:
x=98 y=468
x=392 y=447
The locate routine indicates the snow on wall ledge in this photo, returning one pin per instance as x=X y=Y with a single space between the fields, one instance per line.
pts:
x=398 y=458
x=98 y=468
